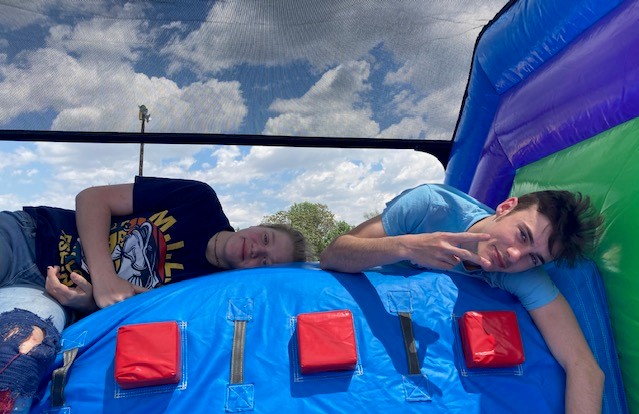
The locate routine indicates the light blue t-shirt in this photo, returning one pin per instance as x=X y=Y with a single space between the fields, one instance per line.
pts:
x=433 y=207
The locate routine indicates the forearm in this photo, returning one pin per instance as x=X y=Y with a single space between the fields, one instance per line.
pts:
x=95 y=208
x=584 y=389
x=93 y=220
x=353 y=254
x=563 y=335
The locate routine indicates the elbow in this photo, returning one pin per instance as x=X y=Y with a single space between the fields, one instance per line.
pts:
x=599 y=376
x=596 y=373
x=327 y=256
x=82 y=197
x=324 y=260
x=328 y=261
x=591 y=370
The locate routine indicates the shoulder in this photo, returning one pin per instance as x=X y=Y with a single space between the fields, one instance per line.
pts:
x=169 y=182
x=154 y=193
x=172 y=187
x=423 y=195
x=534 y=288
x=439 y=195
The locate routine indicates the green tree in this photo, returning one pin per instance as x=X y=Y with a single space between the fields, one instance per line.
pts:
x=315 y=221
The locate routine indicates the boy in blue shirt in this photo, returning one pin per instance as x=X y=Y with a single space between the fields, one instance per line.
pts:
x=439 y=227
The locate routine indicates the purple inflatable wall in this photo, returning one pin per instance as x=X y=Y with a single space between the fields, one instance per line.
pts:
x=591 y=86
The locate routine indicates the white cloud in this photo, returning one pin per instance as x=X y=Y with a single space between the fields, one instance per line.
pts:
x=431 y=117
x=332 y=107
x=326 y=34
x=94 y=97
x=17 y=158
x=99 y=40
x=268 y=33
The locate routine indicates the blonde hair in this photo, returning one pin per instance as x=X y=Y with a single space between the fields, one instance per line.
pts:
x=300 y=246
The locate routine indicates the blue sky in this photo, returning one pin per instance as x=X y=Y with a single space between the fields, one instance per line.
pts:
x=386 y=69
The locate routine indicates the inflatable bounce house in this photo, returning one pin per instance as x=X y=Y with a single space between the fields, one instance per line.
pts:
x=552 y=102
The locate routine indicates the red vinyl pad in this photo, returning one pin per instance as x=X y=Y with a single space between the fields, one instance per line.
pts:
x=326 y=341
x=148 y=354
x=491 y=339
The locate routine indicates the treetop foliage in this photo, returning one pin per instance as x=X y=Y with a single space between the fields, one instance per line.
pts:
x=315 y=221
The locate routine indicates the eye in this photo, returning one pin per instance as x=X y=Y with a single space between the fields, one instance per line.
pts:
x=265 y=238
x=523 y=235
x=264 y=261
x=534 y=260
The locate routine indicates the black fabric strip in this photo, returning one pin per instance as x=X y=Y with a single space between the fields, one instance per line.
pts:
x=237 y=355
x=59 y=379
x=406 y=323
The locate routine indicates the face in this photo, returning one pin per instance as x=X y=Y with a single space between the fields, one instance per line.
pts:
x=258 y=246
x=519 y=239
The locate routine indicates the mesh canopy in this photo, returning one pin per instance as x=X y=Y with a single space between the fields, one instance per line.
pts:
x=363 y=69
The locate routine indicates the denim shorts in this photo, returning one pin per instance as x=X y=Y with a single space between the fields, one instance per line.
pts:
x=21 y=282
x=17 y=250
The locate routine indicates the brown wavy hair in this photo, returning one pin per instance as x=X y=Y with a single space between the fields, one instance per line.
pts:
x=575 y=222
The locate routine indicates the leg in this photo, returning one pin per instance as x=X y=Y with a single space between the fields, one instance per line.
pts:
x=30 y=320
x=29 y=342
x=17 y=250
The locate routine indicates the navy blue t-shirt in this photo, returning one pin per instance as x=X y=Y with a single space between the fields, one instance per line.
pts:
x=163 y=241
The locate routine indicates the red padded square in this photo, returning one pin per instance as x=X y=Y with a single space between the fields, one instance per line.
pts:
x=491 y=339
x=148 y=354
x=326 y=341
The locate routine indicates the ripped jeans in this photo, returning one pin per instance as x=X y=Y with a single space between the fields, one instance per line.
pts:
x=30 y=320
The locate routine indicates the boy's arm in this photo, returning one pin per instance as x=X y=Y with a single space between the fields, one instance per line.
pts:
x=368 y=245
x=584 y=378
x=364 y=246
x=94 y=208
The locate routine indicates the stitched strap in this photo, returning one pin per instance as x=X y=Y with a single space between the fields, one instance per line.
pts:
x=237 y=353
x=59 y=379
x=406 y=323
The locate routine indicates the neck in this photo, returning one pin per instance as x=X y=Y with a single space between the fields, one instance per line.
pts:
x=478 y=226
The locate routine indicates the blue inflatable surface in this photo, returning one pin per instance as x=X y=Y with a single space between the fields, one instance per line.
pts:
x=270 y=299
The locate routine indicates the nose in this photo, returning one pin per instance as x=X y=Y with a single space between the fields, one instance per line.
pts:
x=514 y=254
x=257 y=250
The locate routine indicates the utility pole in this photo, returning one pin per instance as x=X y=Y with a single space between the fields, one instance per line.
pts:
x=143 y=116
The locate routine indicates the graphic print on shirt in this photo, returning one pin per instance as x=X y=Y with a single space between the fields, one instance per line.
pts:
x=138 y=249
x=139 y=258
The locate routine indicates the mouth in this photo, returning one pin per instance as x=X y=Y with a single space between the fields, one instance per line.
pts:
x=499 y=259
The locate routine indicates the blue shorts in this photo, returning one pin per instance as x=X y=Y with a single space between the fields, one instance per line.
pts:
x=17 y=250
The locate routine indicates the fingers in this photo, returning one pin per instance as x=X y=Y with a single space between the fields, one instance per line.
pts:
x=468 y=237
x=82 y=283
x=81 y=296
x=139 y=289
x=467 y=255
x=115 y=291
x=57 y=289
x=52 y=282
x=52 y=272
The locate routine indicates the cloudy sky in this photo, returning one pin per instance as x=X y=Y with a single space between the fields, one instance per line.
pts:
x=336 y=68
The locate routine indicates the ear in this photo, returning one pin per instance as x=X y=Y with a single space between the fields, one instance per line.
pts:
x=506 y=206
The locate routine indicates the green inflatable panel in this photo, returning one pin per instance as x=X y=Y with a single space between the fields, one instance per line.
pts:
x=606 y=167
